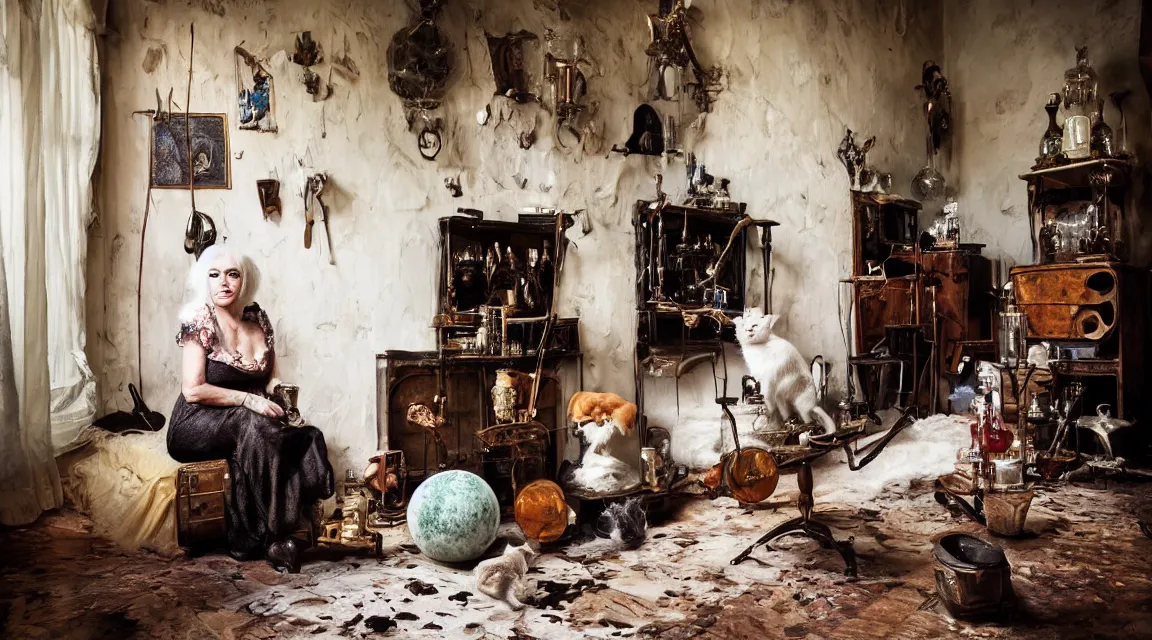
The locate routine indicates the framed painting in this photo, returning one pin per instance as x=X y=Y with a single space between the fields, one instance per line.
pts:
x=211 y=157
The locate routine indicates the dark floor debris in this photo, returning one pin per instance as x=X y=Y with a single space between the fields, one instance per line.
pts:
x=422 y=589
x=379 y=624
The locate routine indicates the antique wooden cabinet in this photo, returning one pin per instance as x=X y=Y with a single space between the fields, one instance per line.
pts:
x=1082 y=299
x=202 y=489
x=1094 y=318
x=497 y=284
x=921 y=305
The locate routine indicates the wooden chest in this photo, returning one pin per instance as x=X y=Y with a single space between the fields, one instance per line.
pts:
x=202 y=489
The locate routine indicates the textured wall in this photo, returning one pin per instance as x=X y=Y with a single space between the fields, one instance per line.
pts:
x=1003 y=59
x=799 y=72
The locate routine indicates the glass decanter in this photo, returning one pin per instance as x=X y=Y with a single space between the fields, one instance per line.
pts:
x=1079 y=102
x=1053 y=141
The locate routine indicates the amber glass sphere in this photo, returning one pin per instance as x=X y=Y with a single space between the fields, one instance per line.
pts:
x=541 y=511
x=751 y=475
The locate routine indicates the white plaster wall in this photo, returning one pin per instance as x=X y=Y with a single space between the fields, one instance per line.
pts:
x=1003 y=59
x=799 y=72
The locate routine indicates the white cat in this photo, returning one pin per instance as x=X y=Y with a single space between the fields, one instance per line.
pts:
x=502 y=577
x=784 y=376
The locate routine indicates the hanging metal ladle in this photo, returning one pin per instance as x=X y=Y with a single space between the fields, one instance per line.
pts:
x=928 y=184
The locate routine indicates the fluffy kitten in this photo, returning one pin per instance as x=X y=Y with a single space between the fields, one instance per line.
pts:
x=502 y=577
x=784 y=376
x=600 y=471
x=625 y=523
x=587 y=406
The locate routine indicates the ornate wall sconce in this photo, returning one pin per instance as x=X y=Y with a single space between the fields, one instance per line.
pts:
x=419 y=66
x=677 y=72
x=562 y=61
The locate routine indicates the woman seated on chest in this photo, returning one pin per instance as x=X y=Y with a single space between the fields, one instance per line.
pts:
x=224 y=412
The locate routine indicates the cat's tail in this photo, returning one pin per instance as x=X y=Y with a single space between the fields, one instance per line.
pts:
x=825 y=419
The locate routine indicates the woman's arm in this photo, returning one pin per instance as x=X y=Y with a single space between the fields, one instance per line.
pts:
x=196 y=389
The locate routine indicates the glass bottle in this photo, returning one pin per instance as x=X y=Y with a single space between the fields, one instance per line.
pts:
x=1053 y=141
x=994 y=437
x=546 y=276
x=1103 y=140
x=1121 y=141
x=952 y=223
x=1079 y=101
x=1013 y=334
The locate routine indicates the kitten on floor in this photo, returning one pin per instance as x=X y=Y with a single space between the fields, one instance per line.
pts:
x=502 y=577
x=784 y=376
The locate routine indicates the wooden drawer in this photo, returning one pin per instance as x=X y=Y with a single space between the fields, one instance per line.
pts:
x=201 y=498
x=1069 y=301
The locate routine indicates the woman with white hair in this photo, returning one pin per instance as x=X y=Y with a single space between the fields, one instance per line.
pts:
x=224 y=412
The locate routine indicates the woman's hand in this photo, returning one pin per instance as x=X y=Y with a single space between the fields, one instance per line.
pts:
x=263 y=406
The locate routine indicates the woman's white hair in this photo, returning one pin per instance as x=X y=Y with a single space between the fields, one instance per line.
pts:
x=197 y=293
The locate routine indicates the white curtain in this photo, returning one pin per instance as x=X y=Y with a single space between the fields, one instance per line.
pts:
x=70 y=137
x=49 y=125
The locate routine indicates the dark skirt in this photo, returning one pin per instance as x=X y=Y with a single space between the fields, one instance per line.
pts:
x=278 y=472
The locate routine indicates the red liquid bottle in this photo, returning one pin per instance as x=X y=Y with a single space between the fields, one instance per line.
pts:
x=994 y=437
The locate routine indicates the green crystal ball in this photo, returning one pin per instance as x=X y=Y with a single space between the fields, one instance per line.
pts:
x=453 y=516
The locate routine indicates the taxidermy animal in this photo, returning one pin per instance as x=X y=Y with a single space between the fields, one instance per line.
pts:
x=600 y=470
x=588 y=406
x=785 y=378
x=502 y=577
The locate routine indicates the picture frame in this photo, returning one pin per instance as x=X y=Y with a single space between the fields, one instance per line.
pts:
x=211 y=152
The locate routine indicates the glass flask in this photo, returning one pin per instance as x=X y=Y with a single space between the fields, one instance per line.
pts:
x=1103 y=139
x=1013 y=336
x=1079 y=102
x=1053 y=141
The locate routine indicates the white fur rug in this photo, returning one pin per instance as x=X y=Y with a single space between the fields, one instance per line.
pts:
x=127 y=484
x=925 y=450
x=701 y=435
x=922 y=452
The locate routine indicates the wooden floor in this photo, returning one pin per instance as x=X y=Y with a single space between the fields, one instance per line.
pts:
x=1083 y=572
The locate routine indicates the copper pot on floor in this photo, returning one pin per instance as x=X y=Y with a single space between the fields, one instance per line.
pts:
x=973 y=577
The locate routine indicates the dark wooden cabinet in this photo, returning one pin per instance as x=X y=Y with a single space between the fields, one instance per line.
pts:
x=497 y=282
x=691 y=279
x=964 y=301
x=1082 y=300
x=923 y=306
